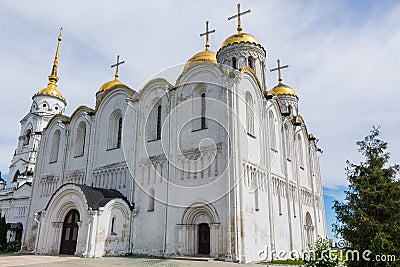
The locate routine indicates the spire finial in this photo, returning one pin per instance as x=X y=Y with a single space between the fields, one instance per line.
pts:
x=206 y=34
x=279 y=70
x=53 y=78
x=239 y=27
x=116 y=65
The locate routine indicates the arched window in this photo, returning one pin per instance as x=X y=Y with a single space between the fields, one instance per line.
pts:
x=159 y=121
x=287 y=143
x=113 y=226
x=151 y=200
x=27 y=137
x=15 y=179
x=80 y=139
x=115 y=130
x=55 y=146
x=234 y=63
x=249 y=114
x=301 y=152
x=203 y=111
x=250 y=62
x=272 y=131
x=199 y=108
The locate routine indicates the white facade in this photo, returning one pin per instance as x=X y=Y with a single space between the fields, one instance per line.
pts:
x=213 y=163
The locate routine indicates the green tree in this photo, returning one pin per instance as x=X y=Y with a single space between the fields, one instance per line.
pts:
x=3 y=230
x=369 y=218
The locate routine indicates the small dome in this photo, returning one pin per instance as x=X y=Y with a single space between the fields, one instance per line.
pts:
x=111 y=85
x=282 y=89
x=241 y=37
x=203 y=56
x=51 y=89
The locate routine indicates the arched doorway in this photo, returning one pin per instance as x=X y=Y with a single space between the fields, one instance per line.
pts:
x=204 y=238
x=69 y=233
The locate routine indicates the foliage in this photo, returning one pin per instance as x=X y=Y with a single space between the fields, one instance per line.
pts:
x=369 y=218
x=321 y=255
x=13 y=246
x=286 y=262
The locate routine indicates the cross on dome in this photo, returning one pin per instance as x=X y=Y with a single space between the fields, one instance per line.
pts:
x=206 y=34
x=239 y=27
x=116 y=65
x=279 y=70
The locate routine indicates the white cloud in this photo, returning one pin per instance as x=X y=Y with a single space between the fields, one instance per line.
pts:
x=343 y=58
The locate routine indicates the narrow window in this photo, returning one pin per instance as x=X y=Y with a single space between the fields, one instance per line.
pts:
x=151 y=200
x=27 y=137
x=115 y=130
x=287 y=143
x=250 y=62
x=119 y=134
x=159 y=122
x=80 y=140
x=300 y=147
x=272 y=132
x=249 y=114
x=113 y=226
x=203 y=111
x=234 y=63
x=55 y=146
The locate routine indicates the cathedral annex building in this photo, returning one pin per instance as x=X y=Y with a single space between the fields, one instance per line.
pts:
x=212 y=163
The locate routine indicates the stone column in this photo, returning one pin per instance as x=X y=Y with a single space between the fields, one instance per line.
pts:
x=214 y=239
x=54 y=249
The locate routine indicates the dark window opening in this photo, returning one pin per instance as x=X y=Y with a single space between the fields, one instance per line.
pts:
x=234 y=63
x=159 y=122
x=119 y=136
x=203 y=111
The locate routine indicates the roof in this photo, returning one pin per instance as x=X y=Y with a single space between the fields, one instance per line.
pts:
x=96 y=197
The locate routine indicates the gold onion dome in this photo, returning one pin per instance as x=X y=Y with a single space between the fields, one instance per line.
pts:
x=240 y=37
x=282 y=89
x=51 y=88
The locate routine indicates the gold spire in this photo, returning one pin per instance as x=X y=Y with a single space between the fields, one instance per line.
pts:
x=51 y=88
x=53 y=76
x=239 y=27
x=206 y=34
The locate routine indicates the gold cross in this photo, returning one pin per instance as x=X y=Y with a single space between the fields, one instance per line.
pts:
x=116 y=65
x=206 y=34
x=279 y=70
x=239 y=28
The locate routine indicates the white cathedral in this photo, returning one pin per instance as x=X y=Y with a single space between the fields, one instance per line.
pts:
x=212 y=163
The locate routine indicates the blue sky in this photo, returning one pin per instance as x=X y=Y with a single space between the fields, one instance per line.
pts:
x=344 y=58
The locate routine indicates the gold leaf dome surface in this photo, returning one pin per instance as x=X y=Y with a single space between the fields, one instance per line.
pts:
x=282 y=89
x=111 y=85
x=240 y=37
x=203 y=56
x=51 y=90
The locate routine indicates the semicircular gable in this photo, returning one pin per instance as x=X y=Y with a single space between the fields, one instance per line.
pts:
x=109 y=94
x=201 y=74
x=154 y=83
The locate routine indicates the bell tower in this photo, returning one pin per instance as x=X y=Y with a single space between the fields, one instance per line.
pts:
x=45 y=104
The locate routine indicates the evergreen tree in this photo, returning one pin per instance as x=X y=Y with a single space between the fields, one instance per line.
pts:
x=369 y=219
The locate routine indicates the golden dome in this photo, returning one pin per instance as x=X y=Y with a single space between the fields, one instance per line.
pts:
x=203 y=56
x=240 y=37
x=111 y=85
x=282 y=89
x=51 y=89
